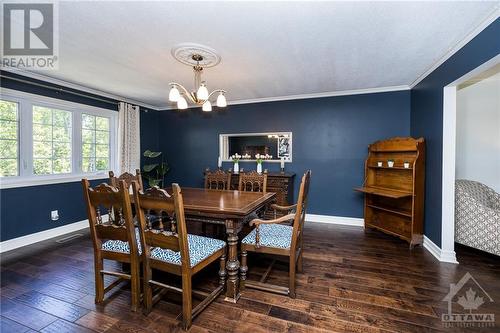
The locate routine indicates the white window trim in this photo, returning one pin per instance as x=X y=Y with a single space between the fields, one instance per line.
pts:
x=25 y=104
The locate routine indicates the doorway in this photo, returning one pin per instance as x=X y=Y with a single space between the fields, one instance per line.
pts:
x=450 y=156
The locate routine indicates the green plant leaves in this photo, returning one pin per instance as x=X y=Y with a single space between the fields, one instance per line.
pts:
x=149 y=167
x=154 y=182
x=155 y=172
x=151 y=154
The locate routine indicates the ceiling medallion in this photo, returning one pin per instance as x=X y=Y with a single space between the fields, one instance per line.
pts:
x=199 y=57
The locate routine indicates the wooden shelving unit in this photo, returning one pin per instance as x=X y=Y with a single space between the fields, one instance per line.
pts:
x=394 y=196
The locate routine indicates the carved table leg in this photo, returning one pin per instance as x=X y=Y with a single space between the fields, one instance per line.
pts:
x=233 y=265
x=243 y=269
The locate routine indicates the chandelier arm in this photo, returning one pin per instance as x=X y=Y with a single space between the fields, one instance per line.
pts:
x=184 y=91
x=215 y=91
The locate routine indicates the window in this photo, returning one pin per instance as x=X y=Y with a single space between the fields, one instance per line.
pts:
x=9 y=142
x=51 y=141
x=95 y=143
x=45 y=140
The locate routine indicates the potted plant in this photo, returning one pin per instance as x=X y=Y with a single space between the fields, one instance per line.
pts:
x=406 y=164
x=390 y=163
x=236 y=159
x=155 y=172
x=380 y=163
x=260 y=158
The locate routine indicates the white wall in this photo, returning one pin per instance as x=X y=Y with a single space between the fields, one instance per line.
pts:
x=478 y=132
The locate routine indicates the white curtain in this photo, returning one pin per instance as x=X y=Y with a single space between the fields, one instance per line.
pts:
x=129 y=144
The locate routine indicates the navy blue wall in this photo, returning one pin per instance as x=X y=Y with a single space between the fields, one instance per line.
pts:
x=330 y=136
x=26 y=210
x=427 y=115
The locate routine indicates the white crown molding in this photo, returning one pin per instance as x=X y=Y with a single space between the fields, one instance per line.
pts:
x=441 y=255
x=495 y=13
x=306 y=96
x=330 y=219
x=66 y=84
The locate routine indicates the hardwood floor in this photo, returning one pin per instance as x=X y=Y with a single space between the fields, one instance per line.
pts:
x=352 y=282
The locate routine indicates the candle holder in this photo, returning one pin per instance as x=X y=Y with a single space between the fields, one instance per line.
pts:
x=282 y=170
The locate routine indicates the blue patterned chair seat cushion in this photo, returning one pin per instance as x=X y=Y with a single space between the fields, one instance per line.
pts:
x=199 y=248
x=121 y=246
x=271 y=235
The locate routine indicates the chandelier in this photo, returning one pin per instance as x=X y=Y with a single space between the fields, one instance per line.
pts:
x=199 y=96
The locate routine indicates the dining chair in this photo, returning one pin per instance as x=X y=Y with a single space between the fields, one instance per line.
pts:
x=252 y=182
x=217 y=180
x=127 y=177
x=274 y=238
x=114 y=236
x=175 y=251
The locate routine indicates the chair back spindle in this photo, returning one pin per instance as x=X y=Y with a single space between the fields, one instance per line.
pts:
x=253 y=182
x=127 y=177
x=105 y=200
x=157 y=203
x=217 y=180
x=300 y=213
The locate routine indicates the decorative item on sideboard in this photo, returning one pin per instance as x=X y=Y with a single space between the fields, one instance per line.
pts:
x=236 y=159
x=380 y=163
x=282 y=165
x=390 y=163
x=259 y=159
x=406 y=164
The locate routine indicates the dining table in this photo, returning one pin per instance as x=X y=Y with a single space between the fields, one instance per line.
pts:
x=232 y=209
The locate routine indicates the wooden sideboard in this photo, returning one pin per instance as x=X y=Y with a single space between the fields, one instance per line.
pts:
x=280 y=183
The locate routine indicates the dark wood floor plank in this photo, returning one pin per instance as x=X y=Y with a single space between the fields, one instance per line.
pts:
x=27 y=315
x=353 y=281
x=61 y=309
x=10 y=326
x=96 y=321
x=63 y=326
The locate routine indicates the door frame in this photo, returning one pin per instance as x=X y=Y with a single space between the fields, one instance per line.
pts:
x=449 y=156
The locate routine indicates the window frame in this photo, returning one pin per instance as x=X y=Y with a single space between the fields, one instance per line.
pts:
x=18 y=135
x=26 y=177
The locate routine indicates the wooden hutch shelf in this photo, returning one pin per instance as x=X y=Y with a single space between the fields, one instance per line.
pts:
x=394 y=196
x=392 y=168
x=384 y=192
x=403 y=213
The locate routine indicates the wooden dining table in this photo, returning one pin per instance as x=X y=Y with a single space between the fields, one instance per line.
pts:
x=229 y=208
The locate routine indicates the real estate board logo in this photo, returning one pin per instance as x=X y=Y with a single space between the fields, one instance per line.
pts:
x=464 y=300
x=30 y=38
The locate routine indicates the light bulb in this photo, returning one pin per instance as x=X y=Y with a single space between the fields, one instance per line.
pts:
x=174 y=94
x=221 y=100
x=181 y=103
x=207 y=106
x=202 y=93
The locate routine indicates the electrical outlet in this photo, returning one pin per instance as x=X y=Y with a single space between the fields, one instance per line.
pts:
x=54 y=215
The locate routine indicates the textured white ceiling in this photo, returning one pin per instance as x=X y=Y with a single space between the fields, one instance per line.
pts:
x=268 y=49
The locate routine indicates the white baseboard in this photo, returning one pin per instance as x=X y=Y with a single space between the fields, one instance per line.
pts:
x=352 y=221
x=12 y=244
x=443 y=256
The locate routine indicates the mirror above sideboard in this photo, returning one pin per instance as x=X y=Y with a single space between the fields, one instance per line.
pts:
x=276 y=144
